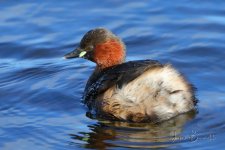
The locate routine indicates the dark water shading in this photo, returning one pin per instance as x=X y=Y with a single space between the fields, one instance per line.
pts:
x=40 y=93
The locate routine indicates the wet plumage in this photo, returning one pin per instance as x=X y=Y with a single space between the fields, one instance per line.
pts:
x=137 y=91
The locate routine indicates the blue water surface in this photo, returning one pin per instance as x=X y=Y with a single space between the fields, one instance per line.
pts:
x=40 y=93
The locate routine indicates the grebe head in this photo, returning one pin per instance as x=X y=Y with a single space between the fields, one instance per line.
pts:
x=100 y=46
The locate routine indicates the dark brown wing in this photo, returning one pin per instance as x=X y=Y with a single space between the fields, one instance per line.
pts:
x=119 y=75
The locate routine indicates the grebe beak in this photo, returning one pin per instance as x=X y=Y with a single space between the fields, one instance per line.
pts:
x=77 y=53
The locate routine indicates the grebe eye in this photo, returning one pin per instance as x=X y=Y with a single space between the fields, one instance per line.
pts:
x=90 y=48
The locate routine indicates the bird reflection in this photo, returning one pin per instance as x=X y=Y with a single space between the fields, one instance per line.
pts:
x=107 y=134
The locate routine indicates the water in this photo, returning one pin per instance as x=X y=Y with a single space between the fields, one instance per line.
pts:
x=40 y=93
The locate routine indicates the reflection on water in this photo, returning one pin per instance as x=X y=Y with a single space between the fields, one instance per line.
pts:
x=40 y=93
x=107 y=134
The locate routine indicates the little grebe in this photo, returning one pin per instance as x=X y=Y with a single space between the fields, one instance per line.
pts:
x=136 y=91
